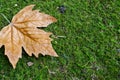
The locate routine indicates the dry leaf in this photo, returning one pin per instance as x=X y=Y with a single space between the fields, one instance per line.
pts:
x=23 y=32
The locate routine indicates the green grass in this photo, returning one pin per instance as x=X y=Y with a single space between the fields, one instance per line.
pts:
x=89 y=50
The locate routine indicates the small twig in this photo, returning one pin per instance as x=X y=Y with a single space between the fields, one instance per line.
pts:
x=5 y=17
x=59 y=36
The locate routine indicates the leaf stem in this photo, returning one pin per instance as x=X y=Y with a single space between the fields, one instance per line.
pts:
x=5 y=17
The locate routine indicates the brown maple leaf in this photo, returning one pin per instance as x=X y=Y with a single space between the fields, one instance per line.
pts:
x=23 y=32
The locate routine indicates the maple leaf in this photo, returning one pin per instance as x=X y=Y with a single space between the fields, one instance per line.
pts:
x=23 y=32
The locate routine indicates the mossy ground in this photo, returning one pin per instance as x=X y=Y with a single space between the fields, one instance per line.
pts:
x=89 y=50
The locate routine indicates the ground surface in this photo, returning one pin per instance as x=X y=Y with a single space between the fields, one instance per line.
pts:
x=89 y=48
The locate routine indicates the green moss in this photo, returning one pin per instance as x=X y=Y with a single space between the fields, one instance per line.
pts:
x=87 y=52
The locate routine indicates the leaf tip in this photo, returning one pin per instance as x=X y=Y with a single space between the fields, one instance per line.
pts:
x=32 y=5
x=54 y=19
x=14 y=66
x=56 y=55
